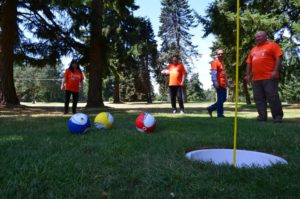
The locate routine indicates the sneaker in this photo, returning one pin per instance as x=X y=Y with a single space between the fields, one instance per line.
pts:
x=174 y=111
x=209 y=112
x=261 y=119
x=277 y=120
x=181 y=112
x=222 y=116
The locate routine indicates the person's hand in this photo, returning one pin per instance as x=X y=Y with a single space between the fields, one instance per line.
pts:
x=62 y=87
x=274 y=75
x=247 y=78
x=216 y=85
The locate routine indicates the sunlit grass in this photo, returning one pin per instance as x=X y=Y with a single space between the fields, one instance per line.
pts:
x=41 y=159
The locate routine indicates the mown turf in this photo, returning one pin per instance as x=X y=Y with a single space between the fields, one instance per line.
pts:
x=41 y=159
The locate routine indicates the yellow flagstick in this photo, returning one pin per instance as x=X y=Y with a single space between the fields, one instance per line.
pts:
x=236 y=79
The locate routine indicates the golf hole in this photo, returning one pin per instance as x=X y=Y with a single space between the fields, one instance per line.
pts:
x=244 y=158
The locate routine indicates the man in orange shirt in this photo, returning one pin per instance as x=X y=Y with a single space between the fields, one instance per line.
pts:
x=220 y=83
x=176 y=72
x=263 y=65
x=71 y=83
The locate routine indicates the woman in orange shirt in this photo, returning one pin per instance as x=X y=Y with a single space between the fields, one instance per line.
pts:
x=71 y=83
x=176 y=72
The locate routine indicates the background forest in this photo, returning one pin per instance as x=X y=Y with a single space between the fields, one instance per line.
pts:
x=118 y=51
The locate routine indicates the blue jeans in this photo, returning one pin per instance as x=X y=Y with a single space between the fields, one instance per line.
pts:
x=221 y=98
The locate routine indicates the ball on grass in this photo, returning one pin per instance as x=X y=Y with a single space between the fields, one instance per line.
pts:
x=145 y=122
x=79 y=123
x=104 y=120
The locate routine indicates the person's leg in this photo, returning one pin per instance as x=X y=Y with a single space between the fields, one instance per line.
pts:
x=173 y=93
x=260 y=100
x=214 y=106
x=180 y=97
x=67 y=101
x=271 y=90
x=221 y=99
x=75 y=101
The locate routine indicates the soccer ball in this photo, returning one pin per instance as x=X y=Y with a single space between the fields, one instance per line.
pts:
x=79 y=123
x=104 y=120
x=145 y=122
x=165 y=72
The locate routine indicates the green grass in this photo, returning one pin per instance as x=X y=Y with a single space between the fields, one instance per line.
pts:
x=41 y=159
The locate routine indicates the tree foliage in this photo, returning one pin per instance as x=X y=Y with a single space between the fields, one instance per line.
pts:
x=281 y=22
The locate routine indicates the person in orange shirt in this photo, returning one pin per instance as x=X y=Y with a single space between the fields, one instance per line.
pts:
x=220 y=83
x=263 y=66
x=71 y=83
x=177 y=73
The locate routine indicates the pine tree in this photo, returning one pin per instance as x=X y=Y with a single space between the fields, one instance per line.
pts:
x=45 y=44
x=176 y=20
x=282 y=17
x=195 y=91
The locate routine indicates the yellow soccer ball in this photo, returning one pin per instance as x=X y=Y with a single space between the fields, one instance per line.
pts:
x=104 y=120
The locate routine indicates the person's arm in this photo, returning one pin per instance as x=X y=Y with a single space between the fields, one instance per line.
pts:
x=214 y=78
x=248 y=73
x=63 y=81
x=82 y=80
x=275 y=73
x=182 y=82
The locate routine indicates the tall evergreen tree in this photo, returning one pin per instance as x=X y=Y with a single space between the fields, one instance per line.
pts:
x=195 y=91
x=30 y=34
x=8 y=40
x=282 y=18
x=176 y=20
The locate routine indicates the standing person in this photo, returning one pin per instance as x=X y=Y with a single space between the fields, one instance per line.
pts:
x=263 y=65
x=177 y=73
x=71 y=83
x=220 y=83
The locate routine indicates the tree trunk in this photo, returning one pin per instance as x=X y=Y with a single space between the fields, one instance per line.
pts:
x=97 y=57
x=8 y=95
x=148 y=82
x=117 y=89
x=246 y=92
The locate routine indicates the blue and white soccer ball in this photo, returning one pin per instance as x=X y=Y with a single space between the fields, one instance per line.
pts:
x=79 y=123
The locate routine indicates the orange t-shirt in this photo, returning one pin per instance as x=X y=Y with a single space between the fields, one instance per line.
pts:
x=177 y=71
x=262 y=58
x=221 y=74
x=72 y=80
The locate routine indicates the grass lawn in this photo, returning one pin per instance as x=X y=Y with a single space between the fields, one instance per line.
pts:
x=41 y=159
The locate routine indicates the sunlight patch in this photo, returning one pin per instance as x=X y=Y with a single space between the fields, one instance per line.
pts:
x=11 y=138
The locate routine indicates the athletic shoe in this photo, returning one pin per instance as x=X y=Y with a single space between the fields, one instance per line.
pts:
x=261 y=119
x=209 y=112
x=277 y=120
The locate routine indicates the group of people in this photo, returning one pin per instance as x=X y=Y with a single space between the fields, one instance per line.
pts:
x=263 y=66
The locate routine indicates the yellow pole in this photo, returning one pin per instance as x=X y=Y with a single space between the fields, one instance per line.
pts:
x=236 y=79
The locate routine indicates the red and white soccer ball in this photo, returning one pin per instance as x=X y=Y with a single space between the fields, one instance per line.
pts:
x=165 y=72
x=145 y=123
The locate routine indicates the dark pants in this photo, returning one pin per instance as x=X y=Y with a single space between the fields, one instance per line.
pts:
x=221 y=98
x=176 y=91
x=267 y=91
x=67 y=101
